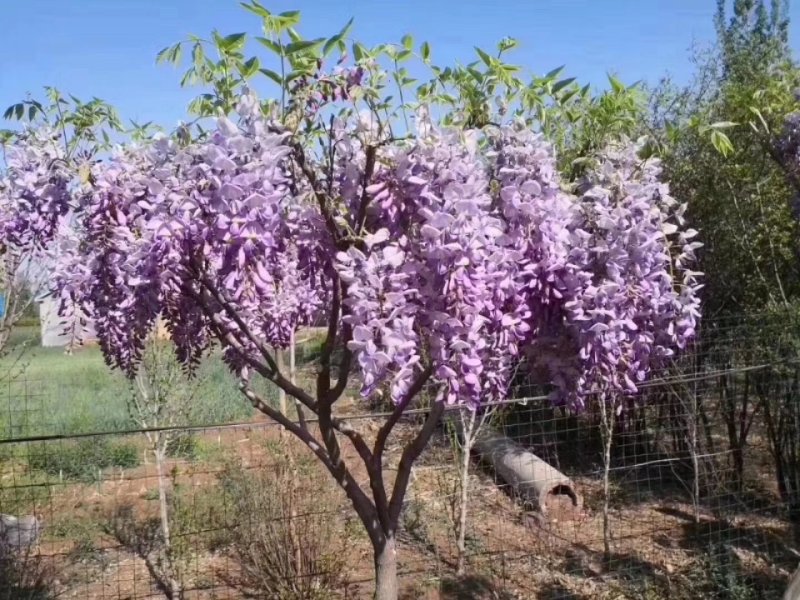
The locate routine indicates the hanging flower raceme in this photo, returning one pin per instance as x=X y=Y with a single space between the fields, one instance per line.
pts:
x=170 y=229
x=638 y=300
x=35 y=189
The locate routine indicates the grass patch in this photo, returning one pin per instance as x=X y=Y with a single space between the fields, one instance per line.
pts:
x=25 y=494
x=58 y=394
x=84 y=460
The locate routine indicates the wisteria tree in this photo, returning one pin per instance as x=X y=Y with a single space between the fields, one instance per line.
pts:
x=435 y=259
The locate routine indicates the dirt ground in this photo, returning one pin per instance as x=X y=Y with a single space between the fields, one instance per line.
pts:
x=660 y=546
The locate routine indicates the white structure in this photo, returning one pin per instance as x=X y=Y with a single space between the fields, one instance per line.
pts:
x=53 y=329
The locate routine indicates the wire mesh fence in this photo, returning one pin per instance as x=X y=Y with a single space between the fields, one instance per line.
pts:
x=688 y=489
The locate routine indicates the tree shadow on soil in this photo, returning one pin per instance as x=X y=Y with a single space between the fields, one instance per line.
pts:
x=582 y=561
x=557 y=591
x=719 y=541
x=471 y=587
x=761 y=541
x=26 y=578
x=467 y=587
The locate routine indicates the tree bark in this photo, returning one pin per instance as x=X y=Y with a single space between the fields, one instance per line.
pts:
x=793 y=589
x=175 y=590
x=468 y=433
x=162 y=497
x=386 y=587
x=607 y=431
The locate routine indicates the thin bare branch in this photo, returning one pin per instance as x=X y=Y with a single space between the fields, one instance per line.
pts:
x=274 y=374
x=369 y=168
x=324 y=375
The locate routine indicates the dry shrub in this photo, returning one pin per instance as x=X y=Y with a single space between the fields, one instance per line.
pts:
x=289 y=540
x=142 y=536
x=26 y=576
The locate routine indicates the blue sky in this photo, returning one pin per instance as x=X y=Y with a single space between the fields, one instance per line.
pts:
x=107 y=48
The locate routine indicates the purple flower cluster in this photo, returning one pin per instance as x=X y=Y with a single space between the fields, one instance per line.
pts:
x=455 y=251
x=638 y=300
x=34 y=191
x=476 y=253
x=169 y=230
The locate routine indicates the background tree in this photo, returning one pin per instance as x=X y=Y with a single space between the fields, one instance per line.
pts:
x=724 y=149
x=718 y=136
x=162 y=397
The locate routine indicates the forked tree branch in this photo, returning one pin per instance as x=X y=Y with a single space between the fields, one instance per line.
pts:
x=399 y=409
x=410 y=454
x=276 y=376
x=324 y=375
x=369 y=168
x=335 y=465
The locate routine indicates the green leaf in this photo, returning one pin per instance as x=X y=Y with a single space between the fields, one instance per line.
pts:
x=330 y=44
x=189 y=77
x=162 y=55
x=256 y=9
x=757 y=113
x=269 y=44
x=407 y=41
x=476 y=74
x=723 y=125
x=721 y=142
x=233 y=42
x=170 y=54
x=616 y=84
x=294 y=35
x=359 y=51
x=507 y=43
x=562 y=84
x=337 y=39
x=10 y=111
x=197 y=54
x=272 y=75
x=290 y=17
x=425 y=51
x=568 y=95
x=250 y=67
x=303 y=45
x=292 y=76
x=346 y=29
x=484 y=57
x=554 y=73
x=6 y=135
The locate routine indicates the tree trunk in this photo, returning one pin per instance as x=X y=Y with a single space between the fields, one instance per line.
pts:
x=793 y=589
x=162 y=497
x=733 y=420
x=175 y=590
x=468 y=433
x=607 y=433
x=386 y=587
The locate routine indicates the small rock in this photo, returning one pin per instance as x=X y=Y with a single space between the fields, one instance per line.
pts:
x=18 y=533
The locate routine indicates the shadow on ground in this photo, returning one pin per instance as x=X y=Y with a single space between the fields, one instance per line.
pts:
x=468 y=587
